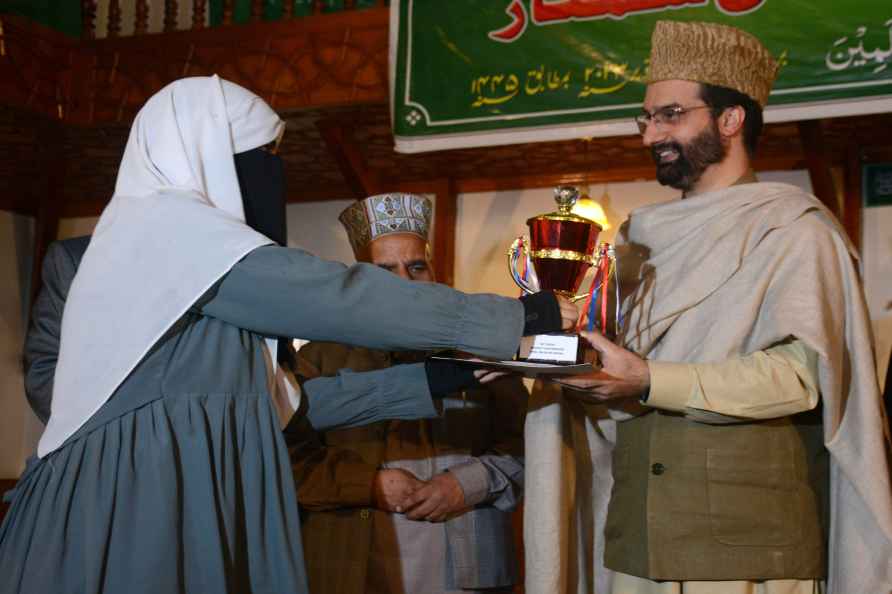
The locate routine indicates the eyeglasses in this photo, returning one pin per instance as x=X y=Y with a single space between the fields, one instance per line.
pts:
x=665 y=117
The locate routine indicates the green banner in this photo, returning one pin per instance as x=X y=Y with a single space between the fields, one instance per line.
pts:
x=521 y=70
x=62 y=15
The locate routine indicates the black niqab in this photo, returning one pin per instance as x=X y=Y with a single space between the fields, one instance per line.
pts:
x=261 y=179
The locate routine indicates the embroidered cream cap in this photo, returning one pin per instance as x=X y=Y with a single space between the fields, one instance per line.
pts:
x=384 y=214
x=713 y=54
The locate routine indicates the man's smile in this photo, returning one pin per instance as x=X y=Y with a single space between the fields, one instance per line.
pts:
x=664 y=154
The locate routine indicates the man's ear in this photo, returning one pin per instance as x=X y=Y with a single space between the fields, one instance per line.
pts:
x=730 y=122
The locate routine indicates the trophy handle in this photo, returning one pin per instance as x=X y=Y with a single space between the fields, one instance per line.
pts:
x=605 y=269
x=604 y=253
x=519 y=254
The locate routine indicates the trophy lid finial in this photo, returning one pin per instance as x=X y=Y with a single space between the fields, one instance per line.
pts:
x=566 y=197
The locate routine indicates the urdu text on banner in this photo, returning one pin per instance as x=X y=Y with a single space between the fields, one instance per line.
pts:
x=471 y=73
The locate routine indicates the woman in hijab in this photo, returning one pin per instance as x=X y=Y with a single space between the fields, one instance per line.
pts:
x=162 y=468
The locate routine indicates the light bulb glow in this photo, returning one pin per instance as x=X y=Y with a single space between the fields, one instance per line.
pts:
x=587 y=208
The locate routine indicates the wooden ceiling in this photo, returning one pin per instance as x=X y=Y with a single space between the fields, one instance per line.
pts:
x=66 y=107
x=90 y=157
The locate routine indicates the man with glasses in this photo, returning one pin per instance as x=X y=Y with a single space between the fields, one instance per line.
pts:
x=749 y=424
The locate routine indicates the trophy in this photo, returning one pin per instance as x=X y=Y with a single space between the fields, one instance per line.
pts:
x=561 y=249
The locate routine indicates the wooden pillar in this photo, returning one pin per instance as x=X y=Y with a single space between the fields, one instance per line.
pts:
x=88 y=19
x=349 y=159
x=46 y=219
x=818 y=164
x=141 y=19
x=46 y=228
x=853 y=201
x=171 y=10
x=114 y=18
x=199 y=13
x=227 y=11
x=445 y=218
x=256 y=11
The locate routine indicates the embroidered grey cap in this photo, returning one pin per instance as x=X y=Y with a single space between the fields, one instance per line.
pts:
x=384 y=214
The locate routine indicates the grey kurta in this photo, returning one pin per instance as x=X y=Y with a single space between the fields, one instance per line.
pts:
x=181 y=481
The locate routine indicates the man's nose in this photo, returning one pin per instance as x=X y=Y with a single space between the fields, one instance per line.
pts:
x=652 y=134
x=403 y=272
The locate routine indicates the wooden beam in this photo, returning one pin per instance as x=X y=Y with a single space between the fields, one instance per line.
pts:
x=445 y=217
x=788 y=163
x=615 y=175
x=83 y=208
x=814 y=146
x=338 y=58
x=17 y=203
x=549 y=180
x=346 y=153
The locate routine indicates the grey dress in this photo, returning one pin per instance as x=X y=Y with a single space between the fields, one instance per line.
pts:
x=181 y=481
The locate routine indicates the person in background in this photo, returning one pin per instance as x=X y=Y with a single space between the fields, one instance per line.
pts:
x=41 y=349
x=413 y=507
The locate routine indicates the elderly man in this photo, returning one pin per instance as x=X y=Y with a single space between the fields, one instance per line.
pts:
x=415 y=507
x=746 y=358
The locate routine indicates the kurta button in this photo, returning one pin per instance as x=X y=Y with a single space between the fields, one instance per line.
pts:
x=364 y=514
x=658 y=469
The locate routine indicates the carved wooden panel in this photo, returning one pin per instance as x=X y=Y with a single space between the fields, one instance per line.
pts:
x=141 y=17
x=328 y=60
x=114 y=18
x=310 y=69
x=88 y=19
x=171 y=12
x=35 y=67
x=313 y=173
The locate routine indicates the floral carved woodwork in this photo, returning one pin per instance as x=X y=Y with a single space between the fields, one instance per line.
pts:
x=335 y=59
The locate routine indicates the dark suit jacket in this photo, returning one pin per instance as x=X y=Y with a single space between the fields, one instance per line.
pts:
x=45 y=328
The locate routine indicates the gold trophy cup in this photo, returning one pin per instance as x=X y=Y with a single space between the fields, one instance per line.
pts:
x=559 y=252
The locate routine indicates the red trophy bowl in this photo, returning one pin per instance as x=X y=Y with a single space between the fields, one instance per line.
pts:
x=560 y=251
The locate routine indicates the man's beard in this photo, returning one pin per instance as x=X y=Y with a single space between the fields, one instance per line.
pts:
x=693 y=158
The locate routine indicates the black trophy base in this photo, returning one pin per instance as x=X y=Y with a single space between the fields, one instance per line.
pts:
x=557 y=349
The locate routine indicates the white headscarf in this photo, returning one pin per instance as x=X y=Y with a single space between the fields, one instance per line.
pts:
x=173 y=228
